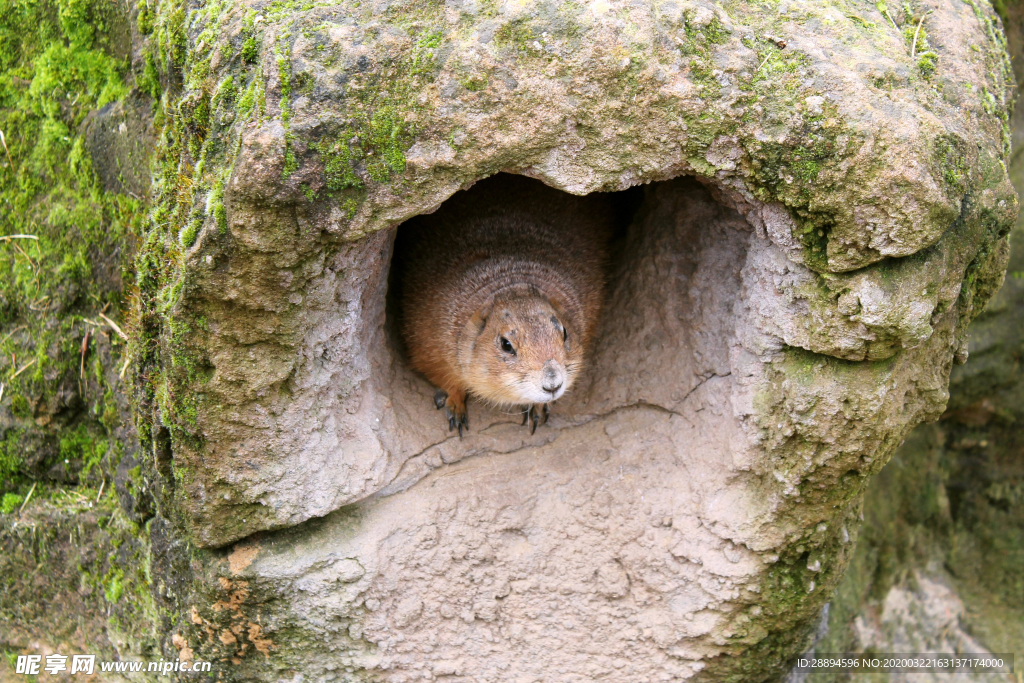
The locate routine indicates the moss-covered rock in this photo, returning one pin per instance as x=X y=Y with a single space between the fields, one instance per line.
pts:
x=862 y=208
x=67 y=236
x=774 y=330
x=943 y=521
x=74 y=181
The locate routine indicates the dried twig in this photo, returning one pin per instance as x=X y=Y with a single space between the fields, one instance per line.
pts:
x=120 y=333
x=102 y=484
x=2 y=387
x=8 y=238
x=85 y=346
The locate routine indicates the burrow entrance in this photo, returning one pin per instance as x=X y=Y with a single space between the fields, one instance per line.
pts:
x=668 y=325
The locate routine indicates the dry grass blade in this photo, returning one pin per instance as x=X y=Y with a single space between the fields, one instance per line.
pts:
x=127 y=360
x=917 y=32
x=24 y=368
x=12 y=333
x=24 y=253
x=9 y=159
x=27 y=498
x=115 y=327
x=33 y=305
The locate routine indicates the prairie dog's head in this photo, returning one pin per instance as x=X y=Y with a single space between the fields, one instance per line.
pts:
x=519 y=350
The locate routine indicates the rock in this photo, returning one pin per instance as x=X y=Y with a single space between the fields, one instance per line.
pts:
x=944 y=520
x=820 y=221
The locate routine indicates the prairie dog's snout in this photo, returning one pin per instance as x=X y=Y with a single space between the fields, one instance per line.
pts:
x=553 y=379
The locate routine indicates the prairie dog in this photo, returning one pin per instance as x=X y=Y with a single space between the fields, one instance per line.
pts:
x=501 y=289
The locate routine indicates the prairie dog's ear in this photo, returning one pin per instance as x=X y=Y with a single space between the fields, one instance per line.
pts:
x=559 y=309
x=478 y=321
x=470 y=335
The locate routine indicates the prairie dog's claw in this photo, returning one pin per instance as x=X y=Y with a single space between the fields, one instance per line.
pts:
x=454 y=405
x=536 y=414
x=457 y=421
x=440 y=398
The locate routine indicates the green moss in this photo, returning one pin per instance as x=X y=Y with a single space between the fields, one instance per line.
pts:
x=304 y=83
x=702 y=73
x=949 y=156
x=84 y=446
x=291 y=163
x=109 y=417
x=338 y=170
x=113 y=584
x=226 y=92
x=713 y=32
x=387 y=140
x=250 y=50
x=56 y=66
x=474 y=83
x=220 y=214
x=247 y=102
x=284 y=74
x=1000 y=69
x=250 y=45
x=189 y=234
x=429 y=39
x=516 y=34
x=10 y=502
x=791 y=172
x=10 y=455
x=20 y=407
x=349 y=208
x=175 y=39
x=144 y=19
x=149 y=79
x=927 y=62
x=915 y=34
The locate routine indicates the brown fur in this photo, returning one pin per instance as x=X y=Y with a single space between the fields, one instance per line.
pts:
x=509 y=258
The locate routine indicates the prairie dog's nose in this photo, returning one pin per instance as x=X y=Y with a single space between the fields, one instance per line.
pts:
x=553 y=377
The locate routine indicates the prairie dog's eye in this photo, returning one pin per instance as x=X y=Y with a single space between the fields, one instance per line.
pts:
x=507 y=347
x=560 y=326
